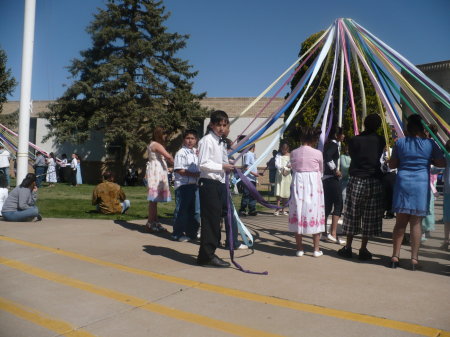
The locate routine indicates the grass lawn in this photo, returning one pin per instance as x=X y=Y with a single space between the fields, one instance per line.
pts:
x=65 y=201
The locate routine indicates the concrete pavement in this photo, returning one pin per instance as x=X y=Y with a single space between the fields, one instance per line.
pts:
x=109 y=278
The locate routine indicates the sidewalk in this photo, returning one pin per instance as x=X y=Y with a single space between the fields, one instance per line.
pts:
x=106 y=278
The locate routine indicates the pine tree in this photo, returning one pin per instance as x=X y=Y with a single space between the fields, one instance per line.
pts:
x=128 y=82
x=7 y=82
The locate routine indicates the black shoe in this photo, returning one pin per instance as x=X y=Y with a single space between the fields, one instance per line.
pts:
x=389 y=215
x=214 y=262
x=364 y=254
x=345 y=252
x=242 y=213
x=253 y=213
x=39 y=217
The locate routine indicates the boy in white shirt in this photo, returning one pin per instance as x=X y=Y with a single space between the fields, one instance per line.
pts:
x=185 y=225
x=212 y=178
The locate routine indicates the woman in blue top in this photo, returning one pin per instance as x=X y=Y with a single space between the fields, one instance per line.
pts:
x=413 y=156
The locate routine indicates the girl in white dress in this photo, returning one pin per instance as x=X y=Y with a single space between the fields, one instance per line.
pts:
x=51 y=170
x=283 y=178
x=306 y=206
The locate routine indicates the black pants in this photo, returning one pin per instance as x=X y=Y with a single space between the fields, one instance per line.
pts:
x=211 y=203
x=74 y=177
x=388 y=183
x=332 y=197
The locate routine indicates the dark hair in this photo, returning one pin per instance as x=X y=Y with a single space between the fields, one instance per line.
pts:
x=414 y=125
x=310 y=134
x=372 y=122
x=158 y=135
x=283 y=144
x=433 y=128
x=52 y=155
x=108 y=176
x=335 y=132
x=3 y=181
x=64 y=156
x=219 y=116
x=190 y=132
x=30 y=178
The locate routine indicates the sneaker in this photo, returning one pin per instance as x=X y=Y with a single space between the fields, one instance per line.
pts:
x=253 y=213
x=317 y=253
x=299 y=253
x=331 y=238
x=39 y=217
x=285 y=213
x=242 y=213
x=345 y=252
x=364 y=254
x=198 y=235
x=341 y=241
x=242 y=247
x=174 y=237
x=183 y=238
x=276 y=213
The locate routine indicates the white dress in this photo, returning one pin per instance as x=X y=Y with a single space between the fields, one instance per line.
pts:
x=51 y=171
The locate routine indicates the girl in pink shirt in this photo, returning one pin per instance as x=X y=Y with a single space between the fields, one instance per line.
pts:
x=306 y=206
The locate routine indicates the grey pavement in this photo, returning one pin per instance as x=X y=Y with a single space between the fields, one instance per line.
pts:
x=111 y=278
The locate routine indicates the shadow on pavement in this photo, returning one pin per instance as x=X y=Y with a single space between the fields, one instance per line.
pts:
x=171 y=254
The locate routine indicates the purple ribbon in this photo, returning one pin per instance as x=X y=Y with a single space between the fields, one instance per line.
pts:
x=230 y=231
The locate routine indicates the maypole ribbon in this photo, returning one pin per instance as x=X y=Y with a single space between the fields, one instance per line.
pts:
x=230 y=231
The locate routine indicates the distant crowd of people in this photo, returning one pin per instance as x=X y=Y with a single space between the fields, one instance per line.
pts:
x=362 y=182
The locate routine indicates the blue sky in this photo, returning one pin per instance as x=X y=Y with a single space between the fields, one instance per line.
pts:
x=238 y=46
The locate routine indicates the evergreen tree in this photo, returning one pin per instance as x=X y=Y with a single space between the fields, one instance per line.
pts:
x=316 y=94
x=128 y=82
x=7 y=82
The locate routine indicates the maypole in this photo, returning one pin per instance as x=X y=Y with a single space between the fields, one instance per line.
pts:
x=25 y=89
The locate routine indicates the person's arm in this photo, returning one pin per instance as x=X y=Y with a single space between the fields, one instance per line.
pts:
x=25 y=199
x=94 y=196
x=156 y=147
x=394 y=162
x=328 y=154
x=122 y=195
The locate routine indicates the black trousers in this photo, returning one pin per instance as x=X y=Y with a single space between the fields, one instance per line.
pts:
x=388 y=183
x=211 y=202
x=332 y=197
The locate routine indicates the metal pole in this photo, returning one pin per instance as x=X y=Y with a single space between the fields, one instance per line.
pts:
x=25 y=89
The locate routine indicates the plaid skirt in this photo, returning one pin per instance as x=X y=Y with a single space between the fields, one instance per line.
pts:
x=363 y=207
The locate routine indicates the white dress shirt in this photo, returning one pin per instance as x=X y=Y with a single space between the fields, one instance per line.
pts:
x=210 y=157
x=185 y=159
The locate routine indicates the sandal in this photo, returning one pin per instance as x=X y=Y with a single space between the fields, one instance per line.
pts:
x=395 y=262
x=155 y=227
x=414 y=265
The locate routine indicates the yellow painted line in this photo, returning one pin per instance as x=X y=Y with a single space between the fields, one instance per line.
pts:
x=32 y=315
x=311 y=308
x=235 y=329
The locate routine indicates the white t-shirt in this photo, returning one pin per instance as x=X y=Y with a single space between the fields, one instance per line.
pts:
x=3 y=196
x=4 y=158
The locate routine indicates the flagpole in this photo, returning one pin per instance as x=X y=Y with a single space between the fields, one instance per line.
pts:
x=25 y=89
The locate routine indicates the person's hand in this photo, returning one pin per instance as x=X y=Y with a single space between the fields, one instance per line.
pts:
x=338 y=174
x=35 y=188
x=227 y=167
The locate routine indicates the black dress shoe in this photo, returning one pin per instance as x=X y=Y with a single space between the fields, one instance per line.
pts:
x=214 y=262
